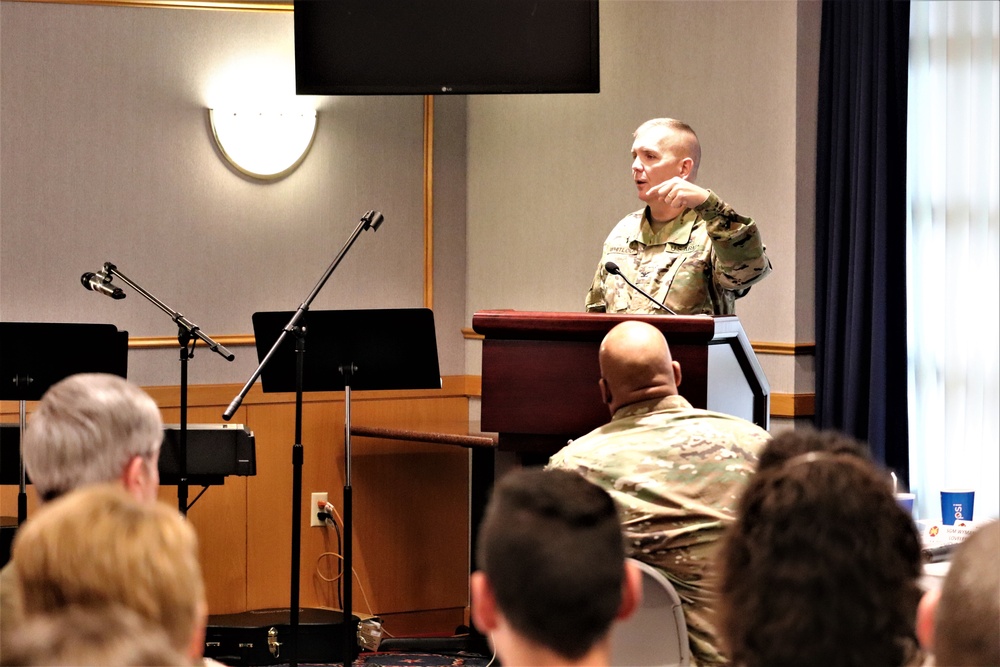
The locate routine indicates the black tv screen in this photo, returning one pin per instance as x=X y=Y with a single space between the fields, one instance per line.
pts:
x=436 y=47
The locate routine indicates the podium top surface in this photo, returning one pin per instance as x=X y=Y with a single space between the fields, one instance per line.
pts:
x=594 y=326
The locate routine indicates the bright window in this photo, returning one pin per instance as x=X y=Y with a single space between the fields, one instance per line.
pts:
x=953 y=246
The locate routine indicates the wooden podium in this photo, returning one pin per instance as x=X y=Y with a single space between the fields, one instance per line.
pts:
x=540 y=372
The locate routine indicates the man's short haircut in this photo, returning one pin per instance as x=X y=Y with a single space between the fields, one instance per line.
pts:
x=100 y=546
x=686 y=132
x=788 y=445
x=551 y=547
x=822 y=564
x=967 y=622
x=86 y=429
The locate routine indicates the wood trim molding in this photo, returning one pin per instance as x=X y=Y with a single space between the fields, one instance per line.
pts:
x=782 y=405
x=222 y=394
x=794 y=349
x=228 y=5
x=793 y=405
x=166 y=342
x=168 y=396
x=473 y=385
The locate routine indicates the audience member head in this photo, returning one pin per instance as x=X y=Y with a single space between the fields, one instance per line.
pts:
x=960 y=622
x=822 y=564
x=100 y=546
x=786 y=446
x=92 y=428
x=553 y=576
x=636 y=365
x=107 y=635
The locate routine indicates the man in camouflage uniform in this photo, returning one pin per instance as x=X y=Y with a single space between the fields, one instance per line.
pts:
x=687 y=248
x=675 y=472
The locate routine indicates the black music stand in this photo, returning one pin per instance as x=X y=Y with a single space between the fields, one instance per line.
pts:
x=349 y=349
x=36 y=355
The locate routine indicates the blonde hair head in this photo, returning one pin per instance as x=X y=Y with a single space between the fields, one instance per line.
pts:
x=99 y=546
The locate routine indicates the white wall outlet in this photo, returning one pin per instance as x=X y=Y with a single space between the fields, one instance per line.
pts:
x=315 y=504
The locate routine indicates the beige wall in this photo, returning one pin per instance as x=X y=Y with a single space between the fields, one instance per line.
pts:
x=105 y=155
x=549 y=175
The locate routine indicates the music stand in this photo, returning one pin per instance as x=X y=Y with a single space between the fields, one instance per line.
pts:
x=39 y=354
x=349 y=349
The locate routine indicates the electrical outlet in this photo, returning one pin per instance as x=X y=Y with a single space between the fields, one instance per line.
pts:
x=317 y=499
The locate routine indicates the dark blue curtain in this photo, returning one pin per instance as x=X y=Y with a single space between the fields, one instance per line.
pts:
x=861 y=226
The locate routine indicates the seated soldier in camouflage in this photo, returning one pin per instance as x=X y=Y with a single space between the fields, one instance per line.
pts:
x=675 y=472
x=686 y=248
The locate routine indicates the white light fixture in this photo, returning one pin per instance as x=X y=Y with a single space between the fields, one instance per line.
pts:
x=263 y=144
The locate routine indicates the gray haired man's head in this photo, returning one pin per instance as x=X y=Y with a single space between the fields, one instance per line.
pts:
x=91 y=428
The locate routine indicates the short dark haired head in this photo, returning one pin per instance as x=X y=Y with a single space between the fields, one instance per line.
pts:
x=551 y=547
x=822 y=563
x=790 y=444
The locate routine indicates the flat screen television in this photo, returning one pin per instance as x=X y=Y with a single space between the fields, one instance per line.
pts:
x=440 y=47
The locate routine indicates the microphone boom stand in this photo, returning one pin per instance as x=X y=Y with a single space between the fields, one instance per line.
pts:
x=188 y=333
x=371 y=219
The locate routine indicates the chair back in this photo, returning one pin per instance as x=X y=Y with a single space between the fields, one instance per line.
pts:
x=656 y=633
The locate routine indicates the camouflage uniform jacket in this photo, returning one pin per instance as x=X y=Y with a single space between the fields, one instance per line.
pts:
x=676 y=473
x=699 y=263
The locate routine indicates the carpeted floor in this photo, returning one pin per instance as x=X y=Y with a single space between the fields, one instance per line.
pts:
x=403 y=659
x=407 y=659
x=411 y=659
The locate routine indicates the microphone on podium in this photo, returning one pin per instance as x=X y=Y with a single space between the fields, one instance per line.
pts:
x=101 y=282
x=613 y=269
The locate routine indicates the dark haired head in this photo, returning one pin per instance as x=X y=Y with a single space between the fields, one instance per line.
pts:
x=822 y=564
x=551 y=547
x=790 y=444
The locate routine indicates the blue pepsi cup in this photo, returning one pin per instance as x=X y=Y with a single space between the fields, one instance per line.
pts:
x=956 y=505
x=905 y=501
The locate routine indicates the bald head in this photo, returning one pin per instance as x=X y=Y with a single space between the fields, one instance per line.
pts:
x=636 y=365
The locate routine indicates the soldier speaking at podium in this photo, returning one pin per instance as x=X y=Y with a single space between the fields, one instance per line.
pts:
x=687 y=249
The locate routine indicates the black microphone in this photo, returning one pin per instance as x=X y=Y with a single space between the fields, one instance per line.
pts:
x=613 y=269
x=100 y=282
x=373 y=219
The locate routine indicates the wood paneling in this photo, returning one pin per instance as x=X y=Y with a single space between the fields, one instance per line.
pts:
x=411 y=512
x=793 y=405
x=792 y=349
x=220 y=518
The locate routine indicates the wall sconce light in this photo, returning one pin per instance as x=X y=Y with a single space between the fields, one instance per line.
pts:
x=266 y=145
